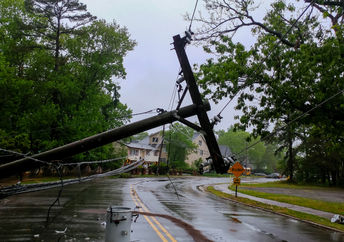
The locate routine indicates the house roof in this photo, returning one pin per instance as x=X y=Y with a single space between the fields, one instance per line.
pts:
x=140 y=146
x=145 y=140
x=225 y=150
x=195 y=135
x=144 y=143
x=154 y=133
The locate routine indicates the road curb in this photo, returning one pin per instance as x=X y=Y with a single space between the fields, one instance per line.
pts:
x=268 y=210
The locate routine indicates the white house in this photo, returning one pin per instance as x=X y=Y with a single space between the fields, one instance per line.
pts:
x=147 y=149
x=201 y=152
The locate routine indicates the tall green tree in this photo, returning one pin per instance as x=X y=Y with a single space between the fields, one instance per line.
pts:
x=63 y=17
x=179 y=144
x=62 y=87
x=261 y=156
x=294 y=65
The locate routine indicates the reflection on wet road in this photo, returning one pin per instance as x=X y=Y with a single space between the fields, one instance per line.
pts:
x=82 y=211
x=222 y=220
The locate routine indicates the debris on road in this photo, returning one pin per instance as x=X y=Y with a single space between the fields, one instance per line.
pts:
x=61 y=232
x=337 y=219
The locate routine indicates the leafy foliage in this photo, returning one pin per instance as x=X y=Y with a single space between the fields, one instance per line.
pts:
x=58 y=67
x=261 y=157
x=179 y=144
x=290 y=79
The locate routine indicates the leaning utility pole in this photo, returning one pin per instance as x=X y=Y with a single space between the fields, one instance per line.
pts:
x=198 y=108
x=206 y=127
x=98 y=140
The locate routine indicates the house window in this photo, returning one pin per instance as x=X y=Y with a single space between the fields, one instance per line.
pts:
x=155 y=139
x=134 y=152
x=148 y=152
x=156 y=153
x=200 y=142
x=200 y=152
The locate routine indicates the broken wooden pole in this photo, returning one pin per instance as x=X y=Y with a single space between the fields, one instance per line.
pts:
x=101 y=139
x=207 y=128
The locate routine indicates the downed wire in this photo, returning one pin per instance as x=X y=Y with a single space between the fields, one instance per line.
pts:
x=57 y=200
x=92 y=162
x=17 y=189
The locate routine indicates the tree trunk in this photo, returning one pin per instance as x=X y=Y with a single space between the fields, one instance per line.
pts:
x=57 y=43
x=323 y=176
x=290 y=162
x=334 y=177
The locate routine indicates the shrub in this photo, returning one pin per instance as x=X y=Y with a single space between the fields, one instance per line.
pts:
x=125 y=175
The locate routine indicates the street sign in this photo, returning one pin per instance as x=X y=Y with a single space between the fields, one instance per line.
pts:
x=236 y=181
x=237 y=169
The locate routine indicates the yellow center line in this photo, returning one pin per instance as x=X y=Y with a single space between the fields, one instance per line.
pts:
x=153 y=218
x=157 y=222
x=137 y=203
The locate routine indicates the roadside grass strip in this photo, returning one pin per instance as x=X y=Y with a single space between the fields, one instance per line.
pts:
x=286 y=184
x=313 y=219
x=43 y=179
x=331 y=207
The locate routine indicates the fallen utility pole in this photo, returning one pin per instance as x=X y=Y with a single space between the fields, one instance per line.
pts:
x=101 y=139
x=198 y=108
x=207 y=128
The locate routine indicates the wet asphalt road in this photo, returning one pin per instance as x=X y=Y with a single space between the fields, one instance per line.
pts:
x=82 y=211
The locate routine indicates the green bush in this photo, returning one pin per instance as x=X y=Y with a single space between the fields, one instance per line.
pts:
x=125 y=175
x=163 y=169
x=179 y=165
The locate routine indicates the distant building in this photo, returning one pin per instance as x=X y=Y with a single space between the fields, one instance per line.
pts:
x=201 y=151
x=147 y=149
x=225 y=151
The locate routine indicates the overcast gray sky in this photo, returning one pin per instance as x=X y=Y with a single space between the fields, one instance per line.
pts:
x=152 y=67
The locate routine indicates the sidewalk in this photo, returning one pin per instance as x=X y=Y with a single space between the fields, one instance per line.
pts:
x=224 y=188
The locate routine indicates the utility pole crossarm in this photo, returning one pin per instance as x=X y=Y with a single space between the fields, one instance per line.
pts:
x=214 y=150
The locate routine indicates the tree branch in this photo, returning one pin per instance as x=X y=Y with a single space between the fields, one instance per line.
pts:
x=230 y=18
x=339 y=3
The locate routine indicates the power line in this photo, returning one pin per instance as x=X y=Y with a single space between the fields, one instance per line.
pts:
x=292 y=121
x=266 y=57
x=90 y=122
x=230 y=100
x=193 y=14
x=149 y=111
x=173 y=98
x=168 y=158
x=93 y=162
x=28 y=157
x=63 y=164
x=12 y=190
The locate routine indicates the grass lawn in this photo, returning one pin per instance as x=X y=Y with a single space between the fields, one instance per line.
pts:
x=216 y=175
x=332 y=207
x=44 y=179
x=286 y=184
x=299 y=215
